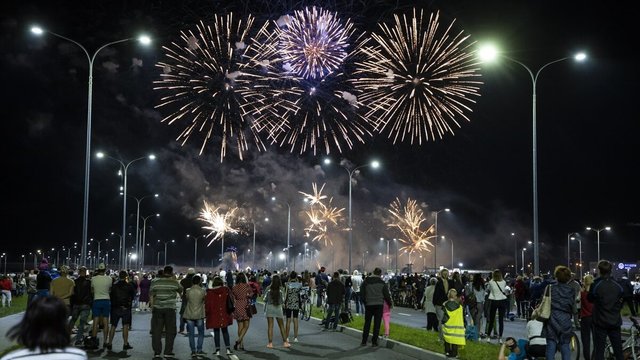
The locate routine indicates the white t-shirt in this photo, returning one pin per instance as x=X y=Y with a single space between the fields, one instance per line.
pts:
x=68 y=353
x=356 y=282
x=494 y=290
x=101 y=286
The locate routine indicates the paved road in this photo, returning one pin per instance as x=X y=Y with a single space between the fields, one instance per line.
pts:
x=313 y=343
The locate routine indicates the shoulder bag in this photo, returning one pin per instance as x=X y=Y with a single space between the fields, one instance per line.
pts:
x=542 y=312
x=230 y=305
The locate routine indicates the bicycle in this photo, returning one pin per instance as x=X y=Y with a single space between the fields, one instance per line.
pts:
x=630 y=348
x=305 y=304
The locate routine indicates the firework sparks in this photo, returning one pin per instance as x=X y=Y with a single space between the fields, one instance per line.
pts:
x=314 y=106
x=210 y=83
x=323 y=218
x=219 y=223
x=408 y=220
x=417 y=82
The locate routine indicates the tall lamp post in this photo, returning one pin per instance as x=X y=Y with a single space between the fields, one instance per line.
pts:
x=490 y=53
x=515 y=255
x=120 y=248
x=451 y=240
x=124 y=167
x=374 y=164
x=145 y=40
x=195 y=248
x=435 y=243
x=580 y=251
x=144 y=239
x=523 y=250
x=24 y=263
x=100 y=241
x=138 y=243
x=165 y=249
x=395 y=241
x=608 y=228
x=569 y=238
x=388 y=259
x=273 y=198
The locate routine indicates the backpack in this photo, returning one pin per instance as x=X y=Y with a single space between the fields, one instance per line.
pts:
x=470 y=296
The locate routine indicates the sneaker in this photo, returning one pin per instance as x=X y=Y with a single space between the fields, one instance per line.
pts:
x=201 y=353
x=108 y=346
x=157 y=356
x=286 y=344
x=500 y=340
x=170 y=356
x=488 y=339
x=217 y=353
x=127 y=347
x=194 y=355
x=295 y=340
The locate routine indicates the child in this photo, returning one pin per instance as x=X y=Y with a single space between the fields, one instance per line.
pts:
x=452 y=325
x=386 y=317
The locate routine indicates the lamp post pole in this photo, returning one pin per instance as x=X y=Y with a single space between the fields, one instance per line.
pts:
x=608 y=228
x=24 y=263
x=165 y=250
x=523 y=250
x=569 y=238
x=195 y=249
x=124 y=168
x=91 y=58
x=515 y=255
x=435 y=245
x=579 y=250
x=534 y=80
x=396 y=242
x=141 y=249
x=138 y=242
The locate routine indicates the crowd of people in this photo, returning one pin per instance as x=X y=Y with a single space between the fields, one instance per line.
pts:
x=453 y=304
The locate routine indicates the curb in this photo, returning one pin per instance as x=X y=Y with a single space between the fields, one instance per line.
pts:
x=394 y=345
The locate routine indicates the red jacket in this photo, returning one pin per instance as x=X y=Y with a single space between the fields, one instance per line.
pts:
x=586 y=306
x=5 y=284
x=216 y=308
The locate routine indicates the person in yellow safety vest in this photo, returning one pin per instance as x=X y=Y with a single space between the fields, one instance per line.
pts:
x=453 y=325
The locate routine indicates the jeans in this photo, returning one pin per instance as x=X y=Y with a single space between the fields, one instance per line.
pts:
x=439 y=317
x=599 y=340
x=358 y=300
x=82 y=312
x=565 y=350
x=191 y=328
x=163 y=319
x=347 y=297
x=6 y=297
x=334 y=310
x=225 y=336
x=375 y=312
x=585 y=336
x=501 y=307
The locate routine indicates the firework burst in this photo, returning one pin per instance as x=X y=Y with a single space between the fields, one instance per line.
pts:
x=210 y=84
x=305 y=59
x=218 y=223
x=323 y=218
x=417 y=82
x=408 y=219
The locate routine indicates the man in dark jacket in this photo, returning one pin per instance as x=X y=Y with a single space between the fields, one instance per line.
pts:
x=81 y=301
x=335 y=298
x=321 y=285
x=606 y=295
x=122 y=294
x=374 y=292
x=186 y=283
x=627 y=296
x=440 y=297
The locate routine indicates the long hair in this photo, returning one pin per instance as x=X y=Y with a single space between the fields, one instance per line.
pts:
x=274 y=292
x=241 y=278
x=43 y=325
x=478 y=281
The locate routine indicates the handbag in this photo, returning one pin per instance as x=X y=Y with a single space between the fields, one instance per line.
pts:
x=230 y=305
x=252 y=309
x=542 y=312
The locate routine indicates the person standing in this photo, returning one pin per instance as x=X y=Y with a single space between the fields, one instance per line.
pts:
x=216 y=312
x=194 y=314
x=101 y=289
x=606 y=295
x=62 y=287
x=429 y=308
x=559 y=327
x=335 y=299
x=477 y=314
x=627 y=296
x=122 y=295
x=242 y=294
x=32 y=282
x=81 y=302
x=322 y=280
x=586 y=322
x=440 y=296
x=386 y=318
x=356 y=283
x=453 y=325
x=145 y=285
x=43 y=279
x=5 y=285
x=499 y=303
x=274 y=302
x=374 y=292
x=186 y=283
x=163 y=295
x=292 y=304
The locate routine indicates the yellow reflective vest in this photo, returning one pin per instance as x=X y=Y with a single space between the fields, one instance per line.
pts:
x=453 y=328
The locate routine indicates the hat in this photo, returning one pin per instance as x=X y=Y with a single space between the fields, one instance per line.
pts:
x=191 y=271
x=102 y=266
x=64 y=269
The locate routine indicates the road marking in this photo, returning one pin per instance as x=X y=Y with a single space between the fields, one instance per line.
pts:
x=404 y=314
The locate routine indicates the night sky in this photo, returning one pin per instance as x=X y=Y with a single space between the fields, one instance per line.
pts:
x=587 y=138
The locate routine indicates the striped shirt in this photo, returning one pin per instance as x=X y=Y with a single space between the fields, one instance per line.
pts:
x=68 y=353
x=164 y=292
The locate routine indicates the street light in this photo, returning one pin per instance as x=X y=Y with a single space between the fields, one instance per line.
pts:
x=195 y=248
x=141 y=250
x=124 y=168
x=579 y=250
x=143 y=39
x=137 y=245
x=273 y=198
x=608 y=228
x=99 y=241
x=4 y=255
x=569 y=238
x=489 y=53
x=443 y=238
x=374 y=164
x=120 y=248
x=515 y=255
x=435 y=243
x=523 y=250
x=388 y=259
x=165 y=250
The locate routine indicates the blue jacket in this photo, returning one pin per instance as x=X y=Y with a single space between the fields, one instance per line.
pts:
x=606 y=295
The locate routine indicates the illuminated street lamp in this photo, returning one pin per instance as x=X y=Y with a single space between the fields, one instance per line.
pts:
x=143 y=39
x=124 y=167
x=195 y=248
x=608 y=228
x=165 y=249
x=144 y=240
x=490 y=53
x=138 y=244
x=580 y=251
x=523 y=267
x=435 y=242
x=374 y=164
